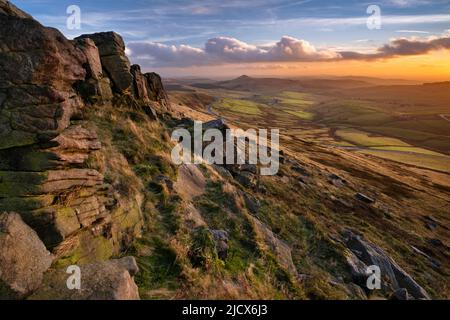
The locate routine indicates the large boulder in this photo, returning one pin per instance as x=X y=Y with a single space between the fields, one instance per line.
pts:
x=7 y=8
x=276 y=246
x=115 y=63
x=191 y=182
x=97 y=85
x=94 y=65
x=140 y=84
x=23 y=258
x=364 y=254
x=221 y=239
x=156 y=91
x=41 y=149
x=106 y=280
x=37 y=76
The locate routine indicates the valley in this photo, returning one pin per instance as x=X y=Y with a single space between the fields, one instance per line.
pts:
x=91 y=189
x=410 y=127
x=352 y=163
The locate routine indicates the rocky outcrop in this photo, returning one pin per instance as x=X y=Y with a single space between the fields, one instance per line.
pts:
x=107 y=60
x=46 y=84
x=43 y=145
x=23 y=258
x=221 y=239
x=190 y=182
x=8 y=9
x=105 y=280
x=115 y=63
x=36 y=88
x=276 y=246
x=140 y=84
x=364 y=254
x=96 y=85
x=156 y=91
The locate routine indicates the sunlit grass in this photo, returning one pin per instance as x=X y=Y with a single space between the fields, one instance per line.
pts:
x=240 y=106
x=301 y=114
x=364 y=139
x=441 y=163
x=408 y=149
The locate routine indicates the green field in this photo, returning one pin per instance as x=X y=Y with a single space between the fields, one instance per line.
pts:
x=407 y=133
x=239 y=105
x=301 y=114
x=295 y=99
x=365 y=140
x=440 y=163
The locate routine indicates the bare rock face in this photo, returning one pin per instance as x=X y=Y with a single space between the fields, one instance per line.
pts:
x=42 y=149
x=46 y=83
x=277 y=246
x=9 y=9
x=94 y=65
x=156 y=91
x=97 y=85
x=140 y=83
x=106 y=280
x=23 y=258
x=113 y=58
x=366 y=254
x=38 y=73
x=147 y=90
x=190 y=182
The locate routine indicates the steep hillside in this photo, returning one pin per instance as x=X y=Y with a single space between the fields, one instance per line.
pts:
x=87 y=180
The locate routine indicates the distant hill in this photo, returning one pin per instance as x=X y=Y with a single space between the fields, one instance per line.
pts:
x=429 y=93
x=246 y=83
x=378 y=81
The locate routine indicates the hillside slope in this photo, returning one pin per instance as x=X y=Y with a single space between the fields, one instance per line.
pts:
x=86 y=179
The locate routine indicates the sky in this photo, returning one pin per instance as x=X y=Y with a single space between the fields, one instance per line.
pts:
x=407 y=39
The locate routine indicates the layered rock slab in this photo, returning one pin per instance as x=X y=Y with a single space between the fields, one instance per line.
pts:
x=23 y=258
x=106 y=280
x=43 y=145
x=115 y=63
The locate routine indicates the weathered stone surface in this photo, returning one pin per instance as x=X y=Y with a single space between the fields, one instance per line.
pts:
x=139 y=83
x=113 y=59
x=23 y=258
x=104 y=89
x=45 y=140
x=37 y=77
x=106 y=280
x=367 y=254
x=277 y=246
x=97 y=86
x=156 y=91
x=75 y=143
x=9 y=9
x=39 y=147
x=93 y=65
x=252 y=203
x=247 y=179
x=221 y=239
x=399 y=294
x=190 y=182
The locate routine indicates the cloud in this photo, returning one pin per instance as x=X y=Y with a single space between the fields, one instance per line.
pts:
x=222 y=50
x=226 y=50
x=412 y=31
x=402 y=47
x=158 y=54
x=413 y=3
